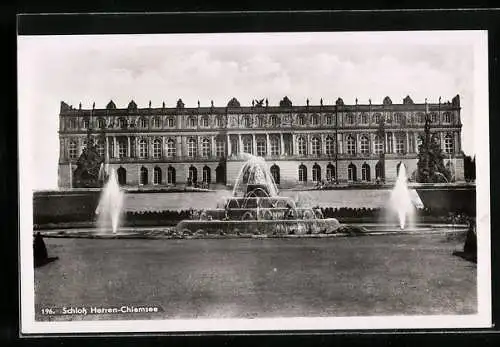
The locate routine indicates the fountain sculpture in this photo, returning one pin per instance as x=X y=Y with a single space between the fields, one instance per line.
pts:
x=401 y=200
x=109 y=209
x=255 y=207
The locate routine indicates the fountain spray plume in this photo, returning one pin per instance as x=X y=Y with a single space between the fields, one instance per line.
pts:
x=110 y=205
x=401 y=201
x=254 y=172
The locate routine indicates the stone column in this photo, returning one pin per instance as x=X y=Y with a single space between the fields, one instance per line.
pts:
x=308 y=145
x=456 y=138
x=294 y=144
x=115 y=151
x=268 y=145
x=459 y=147
x=128 y=146
x=393 y=142
x=228 y=145
x=198 y=145
x=106 y=152
x=339 y=147
x=358 y=144
x=214 y=147
x=240 y=143
x=178 y=146
x=282 y=145
x=323 y=145
x=254 y=145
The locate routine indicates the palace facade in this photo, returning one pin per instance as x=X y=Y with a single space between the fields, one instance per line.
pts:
x=358 y=143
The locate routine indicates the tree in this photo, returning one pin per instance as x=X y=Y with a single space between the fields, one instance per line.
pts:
x=430 y=165
x=469 y=168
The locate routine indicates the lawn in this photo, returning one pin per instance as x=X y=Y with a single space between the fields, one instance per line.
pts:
x=252 y=278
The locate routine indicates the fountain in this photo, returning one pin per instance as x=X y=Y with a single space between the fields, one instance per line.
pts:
x=110 y=204
x=255 y=207
x=401 y=200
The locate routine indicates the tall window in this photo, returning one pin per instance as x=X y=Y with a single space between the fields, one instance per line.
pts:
x=191 y=148
x=365 y=172
x=275 y=145
x=330 y=145
x=349 y=118
x=364 y=145
x=448 y=144
x=411 y=142
x=143 y=148
x=171 y=150
x=363 y=118
x=72 y=150
x=170 y=122
x=434 y=117
x=315 y=119
x=389 y=142
x=260 y=122
x=301 y=119
x=302 y=173
x=247 y=145
x=156 y=148
x=143 y=123
x=379 y=172
x=351 y=173
x=100 y=146
x=171 y=175
x=143 y=176
x=400 y=143
x=86 y=123
x=316 y=146
x=218 y=122
x=72 y=123
x=330 y=172
x=205 y=148
x=302 y=146
x=316 y=172
x=378 y=145
x=398 y=118
x=246 y=122
x=261 y=146
x=220 y=148
x=156 y=122
x=351 y=145
x=376 y=118
x=207 y=174
x=274 y=121
x=204 y=121
x=156 y=175
x=329 y=119
x=420 y=117
x=447 y=117
x=192 y=122
x=193 y=174
x=101 y=123
x=122 y=148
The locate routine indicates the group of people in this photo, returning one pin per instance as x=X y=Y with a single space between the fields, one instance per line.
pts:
x=196 y=184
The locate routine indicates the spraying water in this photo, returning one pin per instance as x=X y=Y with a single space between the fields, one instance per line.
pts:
x=254 y=172
x=401 y=200
x=110 y=204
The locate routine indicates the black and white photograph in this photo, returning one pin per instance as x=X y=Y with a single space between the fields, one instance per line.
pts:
x=254 y=181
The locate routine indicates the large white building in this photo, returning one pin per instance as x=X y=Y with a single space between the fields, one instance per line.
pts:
x=301 y=144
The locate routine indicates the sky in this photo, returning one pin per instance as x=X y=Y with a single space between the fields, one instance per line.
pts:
x=205 y=67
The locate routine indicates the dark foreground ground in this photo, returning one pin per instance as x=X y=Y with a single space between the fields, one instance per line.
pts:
x=252 y=278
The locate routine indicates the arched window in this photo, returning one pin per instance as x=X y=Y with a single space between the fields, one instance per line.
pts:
x=247 y=145
x=193 y=174
x=260 y=122
x=363 y=118
x=447 y=117
x=204 y=121
x=191 y=148
x=316 y=146
x=207 y=175
x=301 y=119
x=171 y=175
x=378 y=145
x=364 y=145
x=315 y=119
x=351 y=145
x=143 y=123
x=218 y=122
x=122 y=147
x=302 y=146
x=379 y=172
x=261 y=146
x=398 y=118
x=400 y=143
x=316 y=173
x=170 y=122
x=157 y=148
x=274 y=121
x=122 y=176
x=302 y=173
x=72 y=123
x=192 y=122
x=86 y=123
x=205 y=148
x=330 y=145
x=377 y=118
x=349 y=118
x=351 y=173
x=143 y=179
x=143 y=148
x=156 y=175
x=275 y=172
x=171 y=149
x=246 y=122
x=72 y=149
x=156 y=122
x=275 y=145
x=220 y=147
x=448 y=144
x=365 y=172
x=101 y=123
x=330 y=172
x=100 y=147
x=329 y=119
